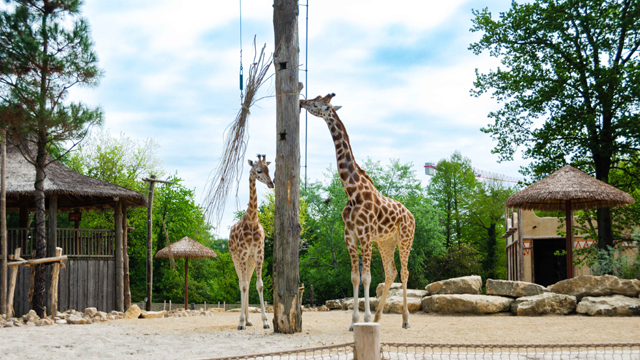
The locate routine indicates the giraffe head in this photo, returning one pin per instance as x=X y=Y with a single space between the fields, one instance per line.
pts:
x=260 y=170
x=320 y=106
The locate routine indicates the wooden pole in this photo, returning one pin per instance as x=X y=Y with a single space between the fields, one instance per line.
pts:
x=12 y=286
x=367 y=341
x=152 y=185
x=152 y=181
x=286 y=278
x=186 y=283
x=520 y=247
x=54 y=284
x=125 y=253
x=569 y=245
x=117 y=218
x=53 y=226
x=3 y=228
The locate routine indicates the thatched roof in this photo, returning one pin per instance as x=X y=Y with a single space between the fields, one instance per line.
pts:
x=187 y=248
x=568 y=183
x=74 y=190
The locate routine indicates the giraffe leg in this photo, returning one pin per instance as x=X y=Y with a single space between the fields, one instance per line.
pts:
x=386 y=253
x=250 y=267
x=404 y=246
x=259 y=287
x=244 y=285
x=352 y=245
x=366 y=246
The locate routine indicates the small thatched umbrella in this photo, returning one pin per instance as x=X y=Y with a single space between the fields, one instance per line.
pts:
x=186 y=249
x=568 y=189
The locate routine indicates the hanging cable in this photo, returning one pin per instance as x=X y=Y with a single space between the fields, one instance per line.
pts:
x=241 y=70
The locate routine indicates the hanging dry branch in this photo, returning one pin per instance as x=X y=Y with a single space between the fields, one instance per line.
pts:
x=235 y=145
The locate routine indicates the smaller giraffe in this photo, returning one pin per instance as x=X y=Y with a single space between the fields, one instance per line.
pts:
x=246 y=243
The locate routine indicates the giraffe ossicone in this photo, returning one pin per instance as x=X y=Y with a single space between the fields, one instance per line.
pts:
x=246 y=243
x=368 y=217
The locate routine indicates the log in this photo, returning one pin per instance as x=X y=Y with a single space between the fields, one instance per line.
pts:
x=3 y=227
x=38 y=261
x=12 y=286
x=117 y=218
x=54 y=284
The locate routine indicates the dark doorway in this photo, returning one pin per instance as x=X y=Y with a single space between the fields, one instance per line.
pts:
x=549 y=268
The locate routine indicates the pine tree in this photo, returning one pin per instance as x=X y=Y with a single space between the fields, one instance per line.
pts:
x=45 y=49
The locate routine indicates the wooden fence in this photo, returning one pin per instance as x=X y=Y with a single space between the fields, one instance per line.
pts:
x=88 y=280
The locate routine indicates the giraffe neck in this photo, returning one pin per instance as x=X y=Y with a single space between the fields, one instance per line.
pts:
x=348 y=170
x=252 y=209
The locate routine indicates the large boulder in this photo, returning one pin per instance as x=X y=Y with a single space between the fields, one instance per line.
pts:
x=396 y=290
x=91 y=311
x=76 y=320
x=133 y=312
x=394 y=286
x=395 y=304
x=514 y=289
x=152 y=314
x=589 y=285
x=334 y=304
x=462 y=285
x=31 y=317
x=616 y=305
x=544 y=304
x=465 y=304
x=347 y=304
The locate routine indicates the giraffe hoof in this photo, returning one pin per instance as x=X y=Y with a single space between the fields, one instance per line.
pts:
x=240 y=327
x=267 y=327
x=249 y=323
x=406 y=326
x=351 y=328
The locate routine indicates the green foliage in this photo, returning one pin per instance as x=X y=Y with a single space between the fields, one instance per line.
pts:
x=614 y=260
x=450 y=189
x=569 y=86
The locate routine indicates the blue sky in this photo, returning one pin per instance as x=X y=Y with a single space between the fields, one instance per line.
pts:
x=401 y=71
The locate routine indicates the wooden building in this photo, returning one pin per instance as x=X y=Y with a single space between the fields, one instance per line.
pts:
x=533 y=259
x=95 y=272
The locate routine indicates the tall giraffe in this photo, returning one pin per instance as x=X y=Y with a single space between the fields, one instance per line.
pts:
x=368 y=217
x=246 y=243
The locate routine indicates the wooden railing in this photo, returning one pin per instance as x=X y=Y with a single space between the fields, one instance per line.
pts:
x=74 y=242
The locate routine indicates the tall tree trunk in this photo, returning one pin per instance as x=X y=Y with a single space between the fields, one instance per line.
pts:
x=605 y=222
x=39 y=300
x=286 y=277
x=491 y=250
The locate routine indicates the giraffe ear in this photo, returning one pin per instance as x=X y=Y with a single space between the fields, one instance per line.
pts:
x=337 y=107
x=268 y=162
x=250 y=162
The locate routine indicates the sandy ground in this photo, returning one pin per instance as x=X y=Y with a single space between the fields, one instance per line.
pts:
x=216 y=336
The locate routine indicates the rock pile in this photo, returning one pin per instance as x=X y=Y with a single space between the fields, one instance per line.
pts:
x=604 y=295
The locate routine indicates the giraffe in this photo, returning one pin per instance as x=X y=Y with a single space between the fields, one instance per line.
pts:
x=246 y=243
x=368 y=217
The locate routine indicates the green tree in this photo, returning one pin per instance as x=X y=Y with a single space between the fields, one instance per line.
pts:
x=450 y=189
x=45 y=49
x=569 y=86
x=485 y=216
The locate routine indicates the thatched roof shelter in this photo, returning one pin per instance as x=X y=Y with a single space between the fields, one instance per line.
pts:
x=568 y=189
x=568 y=183
x=74 y=190
x=186 y=248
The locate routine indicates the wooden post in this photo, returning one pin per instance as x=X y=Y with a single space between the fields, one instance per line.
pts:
x=569 y=243
x=3 y=220
x=312 y=302
x=367 y=339
x=186 y=283
x=286 y=278
x=169 y=305
x=24 y=222
x=117 y=218
x=164 y=306
x=520 y=247
x=12 y=285
x=54 y=284
x=53 y=226
x=125 y=253
x=152 y=184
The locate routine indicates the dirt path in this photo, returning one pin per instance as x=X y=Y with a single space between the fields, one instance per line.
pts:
x=207 y=337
